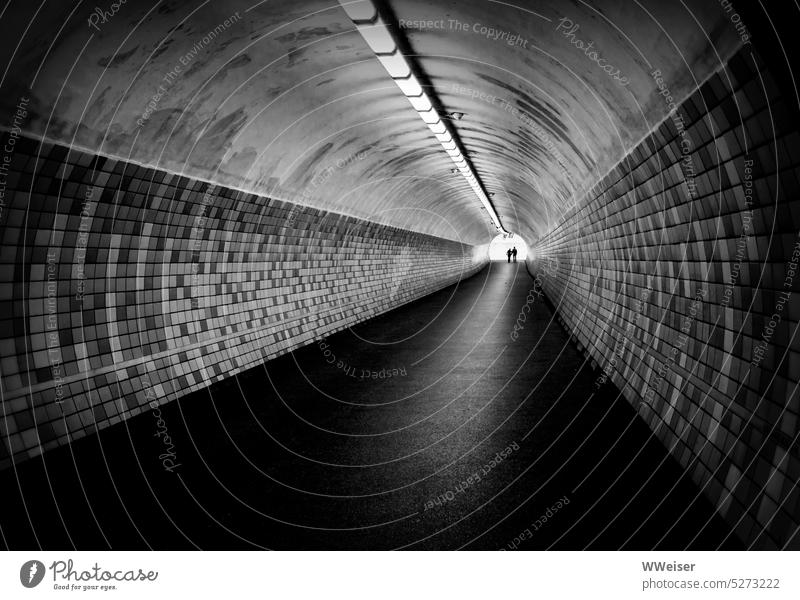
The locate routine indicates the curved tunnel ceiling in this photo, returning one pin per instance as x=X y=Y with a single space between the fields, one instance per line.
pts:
x=284 y=98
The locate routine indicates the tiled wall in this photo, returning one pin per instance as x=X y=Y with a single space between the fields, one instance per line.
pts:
x=132 y=287
x=678 y=275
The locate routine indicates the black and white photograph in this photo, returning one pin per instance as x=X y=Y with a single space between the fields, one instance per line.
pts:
x=335 y=276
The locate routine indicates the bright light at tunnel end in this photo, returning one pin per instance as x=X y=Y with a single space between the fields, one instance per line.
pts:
x=376 y=34
x=504 y=242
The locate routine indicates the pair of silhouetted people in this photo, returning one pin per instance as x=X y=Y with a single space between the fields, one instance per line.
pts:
x=512 y=252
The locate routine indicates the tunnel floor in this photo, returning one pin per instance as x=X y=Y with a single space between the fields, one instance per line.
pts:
x=430 y=429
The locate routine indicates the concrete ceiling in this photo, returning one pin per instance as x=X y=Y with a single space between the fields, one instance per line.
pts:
x=288 y=100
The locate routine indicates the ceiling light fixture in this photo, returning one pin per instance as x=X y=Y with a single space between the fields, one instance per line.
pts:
x=420 y=103
x=437 y=127
x=396 y=65
x=409 y=85
x=444 y=138
x=379 y=38
x=360 y=11
x=429 y=116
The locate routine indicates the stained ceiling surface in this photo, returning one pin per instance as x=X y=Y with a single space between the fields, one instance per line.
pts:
x=285 y=98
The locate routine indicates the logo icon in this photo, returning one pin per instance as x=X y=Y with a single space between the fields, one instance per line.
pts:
x=31 y=573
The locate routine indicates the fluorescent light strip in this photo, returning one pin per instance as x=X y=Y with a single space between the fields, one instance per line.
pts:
x=372 y=28
x=429 y=116
x=378 y=37
x=409 y=86
x=360 y=10
x=437 y=127
x=445 y=138
x=420 y=103
x=396 y=66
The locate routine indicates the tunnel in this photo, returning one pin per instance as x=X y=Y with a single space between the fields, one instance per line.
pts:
x=250 y=299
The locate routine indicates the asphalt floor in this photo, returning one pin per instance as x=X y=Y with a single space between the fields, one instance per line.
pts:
x=437 y=425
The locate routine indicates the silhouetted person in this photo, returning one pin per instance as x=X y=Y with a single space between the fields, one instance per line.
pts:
x=509 y=254
x=514 y=253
